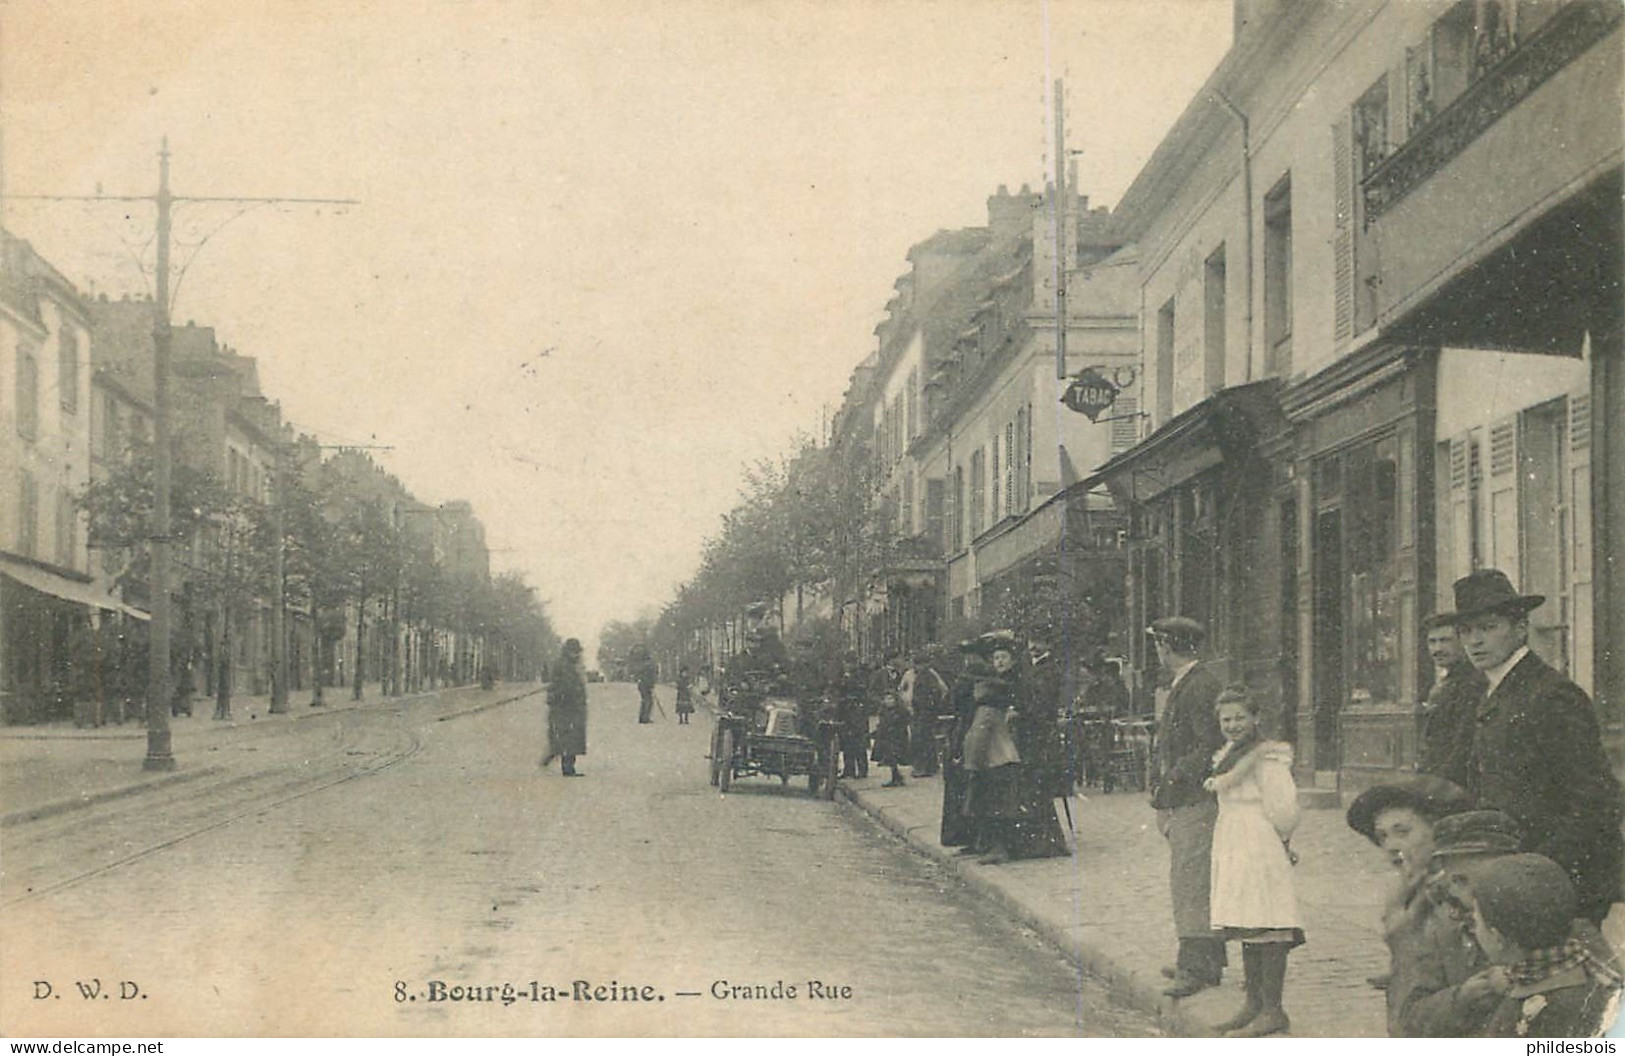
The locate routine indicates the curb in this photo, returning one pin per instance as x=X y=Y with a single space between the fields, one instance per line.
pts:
x=66 y=806
x=1127 y=986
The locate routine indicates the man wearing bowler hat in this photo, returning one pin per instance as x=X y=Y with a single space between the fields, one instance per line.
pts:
x=1537 y=751
x=1187 y=738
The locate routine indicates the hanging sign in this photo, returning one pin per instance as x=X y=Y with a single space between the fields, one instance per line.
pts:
x=1090 y=393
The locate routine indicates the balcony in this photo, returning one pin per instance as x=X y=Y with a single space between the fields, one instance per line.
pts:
x=1504 y=73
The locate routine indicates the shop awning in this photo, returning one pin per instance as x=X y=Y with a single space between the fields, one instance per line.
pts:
x=1217 y=429
x=58 y=586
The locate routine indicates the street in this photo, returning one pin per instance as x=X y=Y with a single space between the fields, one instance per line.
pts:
x=396 y=875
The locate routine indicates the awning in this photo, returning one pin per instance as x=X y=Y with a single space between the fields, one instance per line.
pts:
x=1218 y=429
x=57 y=586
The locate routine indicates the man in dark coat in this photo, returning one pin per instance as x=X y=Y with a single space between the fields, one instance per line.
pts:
x=645 y=672
x=1187 y=737
x=567 y=710
x=957 y=830
x=1450 y=716
x=927 y=698
x=1537 y=751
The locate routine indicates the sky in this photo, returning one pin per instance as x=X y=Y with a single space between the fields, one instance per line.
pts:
x=606 y=254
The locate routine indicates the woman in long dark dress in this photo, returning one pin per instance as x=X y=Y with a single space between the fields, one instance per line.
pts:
x=685 y=695
x=567 y=710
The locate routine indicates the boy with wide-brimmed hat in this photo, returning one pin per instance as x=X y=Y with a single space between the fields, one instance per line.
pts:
x=1537 y=750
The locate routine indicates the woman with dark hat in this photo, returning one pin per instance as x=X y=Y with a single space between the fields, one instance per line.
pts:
x=1399 y=817
x=567 y=710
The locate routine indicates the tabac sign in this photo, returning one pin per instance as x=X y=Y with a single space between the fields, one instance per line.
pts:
x=1091 y=393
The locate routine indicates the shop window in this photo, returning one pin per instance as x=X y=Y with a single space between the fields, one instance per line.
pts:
x=1278 y=278
x=1371 y=603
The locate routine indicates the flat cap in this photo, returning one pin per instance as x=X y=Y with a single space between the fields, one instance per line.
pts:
x=1476 y=832
x=1178 y=629
x=1528 y=898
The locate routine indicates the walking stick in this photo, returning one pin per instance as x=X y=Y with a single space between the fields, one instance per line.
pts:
x=1066 y=805
x=656 y=698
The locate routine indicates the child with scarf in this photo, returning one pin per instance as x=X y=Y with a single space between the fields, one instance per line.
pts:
x=1253 y=898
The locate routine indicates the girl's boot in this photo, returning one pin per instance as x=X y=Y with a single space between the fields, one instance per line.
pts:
x=1271 y=1018
x=1254 y=1003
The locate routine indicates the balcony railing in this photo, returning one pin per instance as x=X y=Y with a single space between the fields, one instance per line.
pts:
x=1499 y=88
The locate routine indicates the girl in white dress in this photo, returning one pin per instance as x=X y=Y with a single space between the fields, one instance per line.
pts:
x=1252 y=891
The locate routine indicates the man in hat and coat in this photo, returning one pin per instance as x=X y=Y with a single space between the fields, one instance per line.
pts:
x=1186 y=813
x=567 y=710
x=1537 y=750
x=1450 y=715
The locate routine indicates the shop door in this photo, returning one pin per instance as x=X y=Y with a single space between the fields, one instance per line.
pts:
x=1328 y=632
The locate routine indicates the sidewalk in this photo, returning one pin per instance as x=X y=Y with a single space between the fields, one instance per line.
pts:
x=1107 y=907
x=53 y=768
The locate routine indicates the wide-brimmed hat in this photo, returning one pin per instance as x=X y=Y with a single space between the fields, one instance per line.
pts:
x=1178 y=631
x=1476 y=832
x=1432 y=797
x=989 y=643
x=1487 y=591
x=1528 y=898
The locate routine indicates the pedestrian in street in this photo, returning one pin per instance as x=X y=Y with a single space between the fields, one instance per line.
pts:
x=1450 y=715
x=1542 y=982
x=645 y=671
x=1537 y=750
x=956 y=829
x=1399 y=816
x=852 y=712
x=925 y=695
x=685 y=694
x=567 y=710
x=891 y=738
x=1254 y=899
x=1008 y=794
x=1186 y=812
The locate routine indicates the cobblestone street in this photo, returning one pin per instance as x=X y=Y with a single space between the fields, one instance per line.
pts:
x=336 y=906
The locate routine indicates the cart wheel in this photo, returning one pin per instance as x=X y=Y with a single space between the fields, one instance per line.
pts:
x=725 y=762
x=832 y=767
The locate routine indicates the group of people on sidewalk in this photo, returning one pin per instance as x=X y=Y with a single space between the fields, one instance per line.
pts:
x=1507 y=843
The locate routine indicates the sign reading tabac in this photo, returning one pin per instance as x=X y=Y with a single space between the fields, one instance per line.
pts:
x=1090 y=393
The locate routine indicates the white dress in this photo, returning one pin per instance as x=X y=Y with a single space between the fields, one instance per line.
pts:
x=1258 y=809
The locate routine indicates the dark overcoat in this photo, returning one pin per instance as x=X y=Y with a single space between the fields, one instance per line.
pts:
x=1539 y=758
x=957 y=830
x=566 y=709
x=1449 y=723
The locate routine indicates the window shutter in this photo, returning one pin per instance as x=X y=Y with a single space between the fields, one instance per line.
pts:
x=1125 y=423
x=1343 y=231
x=1579 y=572
x=1461 y=509
x=1503 y=498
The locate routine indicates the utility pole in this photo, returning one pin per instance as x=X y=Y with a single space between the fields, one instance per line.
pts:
x=1060 y=224
x=160 y=684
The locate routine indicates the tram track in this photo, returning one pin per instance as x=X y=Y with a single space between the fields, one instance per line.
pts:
x=123 y=833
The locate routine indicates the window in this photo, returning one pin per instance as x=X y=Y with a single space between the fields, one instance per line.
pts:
x=995 y=484
x=1278 y=278
x=27 y=394
x=908 y=503
x=1165 y=362
x=956 y=533
x=935 y=515
x=914 y=403
x=1012 y=460
x=67 y=369
x=65 y=521
x=1370 y=125
x=1213 y=322
x=112 y=442
x=27 y=514
x=978 y=488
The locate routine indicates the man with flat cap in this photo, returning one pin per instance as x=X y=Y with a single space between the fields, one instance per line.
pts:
x=1187 y=738
x=1537 y=750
